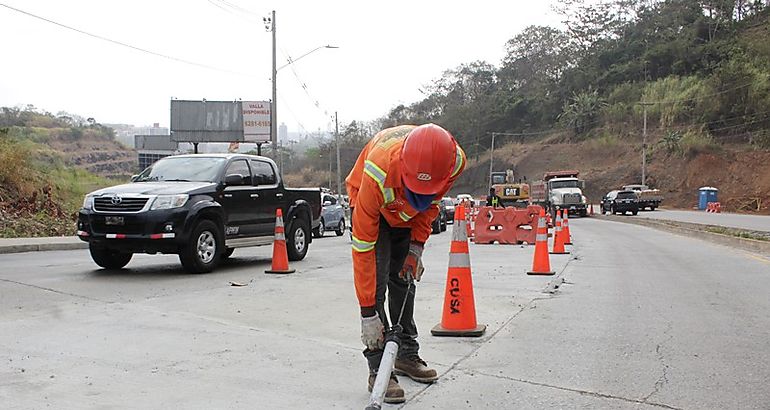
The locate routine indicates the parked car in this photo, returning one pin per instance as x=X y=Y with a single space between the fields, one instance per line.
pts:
x=332 y=216
x=449 y=205
x=439 y=224
x=200 y=207
x=620 y=202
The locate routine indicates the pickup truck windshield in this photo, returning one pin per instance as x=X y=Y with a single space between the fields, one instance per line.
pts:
x=202 y=169
x=627 y=195
x=564 y=184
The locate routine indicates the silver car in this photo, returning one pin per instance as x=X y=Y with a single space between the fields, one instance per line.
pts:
x=332 y=216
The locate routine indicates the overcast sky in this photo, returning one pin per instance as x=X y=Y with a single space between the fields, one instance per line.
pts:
x=387 y=52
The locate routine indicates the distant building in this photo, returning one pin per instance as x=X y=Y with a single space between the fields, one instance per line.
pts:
x=124 y=133
x=283 y=132
x=151 y=148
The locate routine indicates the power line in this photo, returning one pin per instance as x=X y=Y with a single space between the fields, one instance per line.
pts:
x=126 y=45
x=701 y=97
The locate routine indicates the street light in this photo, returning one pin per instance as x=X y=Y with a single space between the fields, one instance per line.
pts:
x=270 y=26
x=294 y=60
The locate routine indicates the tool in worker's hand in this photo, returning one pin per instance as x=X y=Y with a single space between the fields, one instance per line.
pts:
x=392 y=341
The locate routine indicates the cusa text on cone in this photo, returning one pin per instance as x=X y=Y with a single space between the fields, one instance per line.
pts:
x=459 y=314
x=280 y=257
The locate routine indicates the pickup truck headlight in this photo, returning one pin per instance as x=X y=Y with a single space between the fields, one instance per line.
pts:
x=169 y=201
x=88 y=202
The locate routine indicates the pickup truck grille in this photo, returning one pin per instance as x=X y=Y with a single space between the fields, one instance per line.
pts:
x=125 y=204
x=571 y=199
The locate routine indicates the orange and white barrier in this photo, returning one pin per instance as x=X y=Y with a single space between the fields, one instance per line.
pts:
x=714 y=207
x=506 y=225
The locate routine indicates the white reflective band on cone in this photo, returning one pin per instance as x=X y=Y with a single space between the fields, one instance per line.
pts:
x=280 y=237
x=279 y=222
x=541 y=237
x=541 y=222
x=458 y=232
x=459 y=260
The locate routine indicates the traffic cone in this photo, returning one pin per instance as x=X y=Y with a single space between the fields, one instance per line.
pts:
x=459 y=316
x=591 y=209
x=565 y=228
x=541 y=264
x=558 y=238
x=280 y=257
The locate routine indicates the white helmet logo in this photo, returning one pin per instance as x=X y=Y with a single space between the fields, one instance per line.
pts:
x=423 y=176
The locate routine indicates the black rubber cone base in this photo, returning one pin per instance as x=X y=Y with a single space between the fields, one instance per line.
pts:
x=280 y=272
x=559 y=253
x=438 y=330
x=541 y=273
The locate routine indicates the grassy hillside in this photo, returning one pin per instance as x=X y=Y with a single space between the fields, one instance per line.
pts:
x=45 y=171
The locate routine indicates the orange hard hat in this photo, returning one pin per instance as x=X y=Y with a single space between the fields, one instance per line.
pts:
x=428 y=159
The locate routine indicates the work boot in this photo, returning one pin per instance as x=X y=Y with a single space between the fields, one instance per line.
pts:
x=394 y=394
x=416 y=369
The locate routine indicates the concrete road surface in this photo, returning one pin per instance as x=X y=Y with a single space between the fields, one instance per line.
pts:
x=751 y=222
x=645 y=320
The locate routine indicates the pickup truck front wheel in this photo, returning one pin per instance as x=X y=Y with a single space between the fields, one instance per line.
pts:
x=203 y=252
x=297 y=237
x=109 y=259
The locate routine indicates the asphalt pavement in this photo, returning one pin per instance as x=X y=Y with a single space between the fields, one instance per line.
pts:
x=645 y=319
x=741 y=221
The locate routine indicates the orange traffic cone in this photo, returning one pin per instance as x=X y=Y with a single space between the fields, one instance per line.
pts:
x=459 y=316
x=280 y=257
x=541 y=265
x=565 y=228
x=558 y=238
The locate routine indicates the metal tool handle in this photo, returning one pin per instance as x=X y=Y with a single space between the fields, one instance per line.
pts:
x=383 y=375
x=388 y=358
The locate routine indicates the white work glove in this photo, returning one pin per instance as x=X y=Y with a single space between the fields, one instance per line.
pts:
x=372 y=332
x=413 y=269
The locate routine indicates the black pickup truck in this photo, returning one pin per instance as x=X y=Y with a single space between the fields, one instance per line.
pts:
x=200 y=207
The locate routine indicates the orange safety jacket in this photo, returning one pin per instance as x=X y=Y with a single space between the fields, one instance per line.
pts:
x=375 y=188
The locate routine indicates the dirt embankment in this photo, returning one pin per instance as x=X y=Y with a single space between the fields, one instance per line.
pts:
x=741 y=175
x=102 y=157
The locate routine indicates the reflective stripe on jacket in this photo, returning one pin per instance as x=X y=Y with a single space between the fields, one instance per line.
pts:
x=375 y=188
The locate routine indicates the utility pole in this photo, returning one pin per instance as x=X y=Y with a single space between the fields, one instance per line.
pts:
x=491 y=159
x=274 y=107
x=337 y=143
x=644 y=142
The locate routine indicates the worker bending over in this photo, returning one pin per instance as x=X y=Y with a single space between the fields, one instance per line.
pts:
x=395 y=187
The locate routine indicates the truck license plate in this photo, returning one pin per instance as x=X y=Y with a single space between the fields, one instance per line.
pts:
x=113 y=220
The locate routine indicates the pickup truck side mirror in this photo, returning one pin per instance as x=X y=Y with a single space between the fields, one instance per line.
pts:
x=234 y=179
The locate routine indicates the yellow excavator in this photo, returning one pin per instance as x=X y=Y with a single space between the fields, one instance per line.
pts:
x=511 y=192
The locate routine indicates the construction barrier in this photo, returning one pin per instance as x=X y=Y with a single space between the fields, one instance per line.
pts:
x=459 y=315
x=506 y=225
x=714 y=207
x=280 y=257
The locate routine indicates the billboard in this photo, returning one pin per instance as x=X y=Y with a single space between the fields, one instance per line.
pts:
x=256 y=121
x=220 y=121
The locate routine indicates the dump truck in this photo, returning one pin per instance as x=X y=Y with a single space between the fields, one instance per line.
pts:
x=511 y=193
x=560 y=190
x=648 y=198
